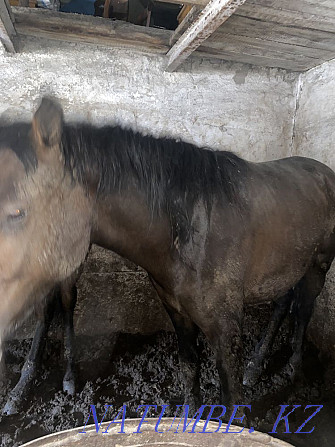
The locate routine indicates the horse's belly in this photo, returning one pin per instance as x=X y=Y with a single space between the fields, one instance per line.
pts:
x=270 y=288
x=276 y=273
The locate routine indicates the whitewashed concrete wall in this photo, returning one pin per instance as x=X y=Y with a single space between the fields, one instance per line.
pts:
x=314 y=136
x=315 y=117
x=231 y=106
x=223 y=105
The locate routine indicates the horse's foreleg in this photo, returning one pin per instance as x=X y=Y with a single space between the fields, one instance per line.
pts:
x=255 y=365
x=187 y=335
x=305 y=293
x=32 y=363
x=226 y=340
x=69 y=299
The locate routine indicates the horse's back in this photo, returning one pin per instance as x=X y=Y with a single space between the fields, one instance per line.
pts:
x=285 y=219
x=297 y=170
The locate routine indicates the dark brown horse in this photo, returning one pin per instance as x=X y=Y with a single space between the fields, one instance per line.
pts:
x=212 y=230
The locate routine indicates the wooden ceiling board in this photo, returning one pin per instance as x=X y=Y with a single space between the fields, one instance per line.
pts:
x=292 y=34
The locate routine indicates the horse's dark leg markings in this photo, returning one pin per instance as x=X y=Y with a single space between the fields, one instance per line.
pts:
x=255 y=366
x=69 y=299
x=306 y=291
x=227 y=345
x=187 y=335
x=32 y=364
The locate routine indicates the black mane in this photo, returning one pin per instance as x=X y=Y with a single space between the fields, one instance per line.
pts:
x=174 y=175
x=16 y=137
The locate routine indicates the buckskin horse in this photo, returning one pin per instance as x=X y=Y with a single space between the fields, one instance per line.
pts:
x=213 y=231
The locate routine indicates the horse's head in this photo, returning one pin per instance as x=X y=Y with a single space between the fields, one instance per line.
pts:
x=45 y=215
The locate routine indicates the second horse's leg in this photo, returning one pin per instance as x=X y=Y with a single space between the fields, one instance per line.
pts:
x=255 y=366
x=305 y=294
x=69 y=299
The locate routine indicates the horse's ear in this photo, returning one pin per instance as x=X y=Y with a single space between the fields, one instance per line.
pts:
x=48 y=124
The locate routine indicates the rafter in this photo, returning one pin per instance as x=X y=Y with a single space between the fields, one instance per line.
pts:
x=212 y=16
x=88 y=29
x=187 y=2
x=188 y=20
x=7 y=30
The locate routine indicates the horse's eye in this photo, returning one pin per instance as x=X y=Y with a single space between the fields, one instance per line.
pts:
x=17 y=214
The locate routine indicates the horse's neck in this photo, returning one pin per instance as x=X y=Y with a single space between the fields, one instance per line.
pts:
x=123 y=223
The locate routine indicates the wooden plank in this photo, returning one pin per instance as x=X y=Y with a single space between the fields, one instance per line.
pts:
x=7 y=31
x=288 y=18
x=261 y=47
x=202 y=3
x=30 y=3
x=319 y=8
x=188 y=20
x=257 y=29
x=311 y=7
x=183 y=13
x=9 y=9
x=89 y=29
x=262 y=61
x=213 y=15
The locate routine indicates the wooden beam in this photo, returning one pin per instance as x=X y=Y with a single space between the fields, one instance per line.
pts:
x=188 y=20
x=314 y=7
x=9 y=9
x=186 y=2
x=296 y=18
x=7 y=30
x=255 y=30
x=213 y=16
x=88 y=29
x=262 y=61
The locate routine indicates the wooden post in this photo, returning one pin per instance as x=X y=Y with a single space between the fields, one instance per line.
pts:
x=7 y=30
x=212 y=16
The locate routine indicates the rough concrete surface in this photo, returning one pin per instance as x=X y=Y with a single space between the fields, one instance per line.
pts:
x=314 y=132
x=222 y=105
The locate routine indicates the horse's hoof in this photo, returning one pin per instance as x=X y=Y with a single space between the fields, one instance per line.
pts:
x=69 y=387
x=10 y=408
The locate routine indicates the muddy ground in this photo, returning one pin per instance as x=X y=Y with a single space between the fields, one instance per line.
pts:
x=135 y=370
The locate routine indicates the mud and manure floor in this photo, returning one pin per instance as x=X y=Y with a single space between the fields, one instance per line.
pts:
x=135 y=370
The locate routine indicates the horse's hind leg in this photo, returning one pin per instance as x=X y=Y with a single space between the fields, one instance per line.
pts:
x=305 y=293
x=31 y=365
x=69 y=299
x=187 y=335
x=255 y=365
